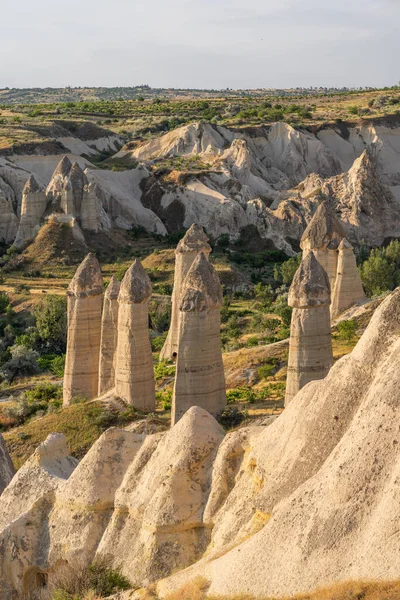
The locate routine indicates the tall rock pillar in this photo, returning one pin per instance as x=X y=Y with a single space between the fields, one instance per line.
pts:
x=33 y=207
x=194 y=242
x=85 y=300
x=134 y=371
x=348 y=288
x=109 y=337
x=323 y=236
x=310 y=346
x=200 y=379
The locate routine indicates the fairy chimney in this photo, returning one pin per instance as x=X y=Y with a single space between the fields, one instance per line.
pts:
x=109 y=337
x=85 y=301
x=58 y=178
x=310 y=345
x=323 y=236
x=200 y=379
x=134 y=371
x=33 y=207
x=90 y=208
x=194 y=242
x=348 y=288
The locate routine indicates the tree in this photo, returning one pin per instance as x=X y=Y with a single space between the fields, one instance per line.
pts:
x=377 y=273
x=51 y=323
x=288 y=269
x=23 y=362
x=347 y=329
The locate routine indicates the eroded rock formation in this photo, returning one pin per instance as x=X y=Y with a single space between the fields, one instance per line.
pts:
x=314 y=495
x=134 y=371
x=109 y=336
x=200 y=379
x=310 y=345
x=34 y=202
x=323 y=236
x=85 y=300
x=348 y=289
x=194 y=242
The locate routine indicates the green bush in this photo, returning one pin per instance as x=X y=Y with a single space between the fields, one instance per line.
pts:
x=157 y=343
x=165 y=398
x=4 y=302
x=51 y=323
x=347 y=330
x=252 y=341
x=163 y=369
x=241 y=394
x=232 y=417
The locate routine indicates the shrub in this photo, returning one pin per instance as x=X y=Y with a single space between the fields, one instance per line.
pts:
x=51 y=322
x=165 y=399
x=252 y=341
x=4 y=302
x=266 y=371
x=163 y=369
x=23 y=362
x=241 y=394
x=232 y=417
x=347 y=330
x=157 y=343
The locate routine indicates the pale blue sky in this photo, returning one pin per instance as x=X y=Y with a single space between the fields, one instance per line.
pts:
x=199 y=43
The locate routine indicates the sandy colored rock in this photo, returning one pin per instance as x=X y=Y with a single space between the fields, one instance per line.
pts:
x=7 y=470
x=134 y=371
x=194 y=242
x=90 y=208
x=109 y=337
x=8 y=220
x=310 y=345
x=200 y=379
x=57 y=181
x=85 y=300
x=33 y=207
x=348 y=288
x=323 y=235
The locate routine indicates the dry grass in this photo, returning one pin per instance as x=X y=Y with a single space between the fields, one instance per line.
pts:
x=374 y=590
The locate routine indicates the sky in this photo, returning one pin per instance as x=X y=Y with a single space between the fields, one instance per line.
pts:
x=199 y=43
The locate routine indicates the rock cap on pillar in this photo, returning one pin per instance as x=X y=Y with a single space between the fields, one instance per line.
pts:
x=63 y=168
x=323 y=231
x=201 y=289
x=310 y=287
x=136 y=286
x=113 y=289
x=194 y=240
x=32 y=186
x=88 y=280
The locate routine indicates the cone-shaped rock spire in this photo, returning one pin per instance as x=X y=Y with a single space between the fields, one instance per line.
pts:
x=109 y=337
x=200 y=379
x=90 y=208
x=134 y=372
x=348 y=288
x=310 y=346
x=33 y=207
x=194 y=242
x=323 y=235
x=85 y=299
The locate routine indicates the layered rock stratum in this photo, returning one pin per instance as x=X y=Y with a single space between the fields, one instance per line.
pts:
x=314 y=495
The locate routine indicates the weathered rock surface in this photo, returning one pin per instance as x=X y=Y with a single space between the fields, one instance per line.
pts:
x=7 y=470
x=85 y=300
x=134 y=371
x=194 y=242
x=109 y=337
x=348 y=289
x=310 y=344
x=314 y=495
x=200 y=379
x=33 y=207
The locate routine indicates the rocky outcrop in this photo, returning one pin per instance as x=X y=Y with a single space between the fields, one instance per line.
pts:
x=85 y=300
x=56 y=184
x=310 y=345
x=314 y=495
x=134 y=371
x=109 y=337
x=199 y=379
x=7 y=470
x=194 y=242
x=8 y=220
x=323 y=235
x=33 y=207
x=348 y=288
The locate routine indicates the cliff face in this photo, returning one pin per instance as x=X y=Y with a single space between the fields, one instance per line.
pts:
x=270 y=177
x=314 y=495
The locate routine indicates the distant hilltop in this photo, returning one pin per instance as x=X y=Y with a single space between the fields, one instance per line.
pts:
x=145 y=92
